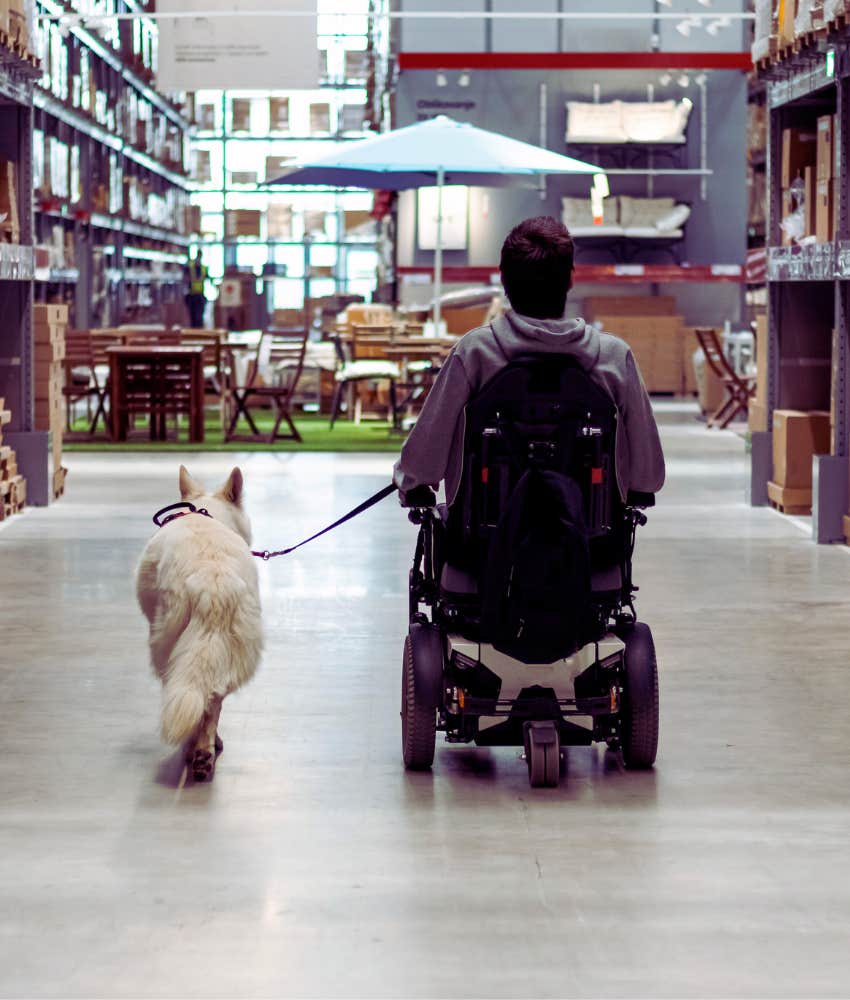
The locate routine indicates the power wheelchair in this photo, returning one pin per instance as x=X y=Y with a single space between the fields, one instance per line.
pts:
x=470 y=668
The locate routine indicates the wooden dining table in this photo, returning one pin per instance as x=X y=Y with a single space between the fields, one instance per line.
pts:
x=157 y=381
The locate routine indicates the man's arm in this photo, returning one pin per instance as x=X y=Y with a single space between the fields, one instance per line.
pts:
x=646 y=459
x=425 y=455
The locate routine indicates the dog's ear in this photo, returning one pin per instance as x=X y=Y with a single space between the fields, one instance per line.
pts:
x=232 y=489
x=188 y=486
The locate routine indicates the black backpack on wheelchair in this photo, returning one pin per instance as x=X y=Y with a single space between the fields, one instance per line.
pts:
x=522 y=623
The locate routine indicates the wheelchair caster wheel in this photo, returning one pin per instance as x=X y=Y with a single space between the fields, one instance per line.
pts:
x=543 y=754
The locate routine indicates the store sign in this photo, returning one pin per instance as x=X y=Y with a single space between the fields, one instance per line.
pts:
x=245 y=51
x=431 y=107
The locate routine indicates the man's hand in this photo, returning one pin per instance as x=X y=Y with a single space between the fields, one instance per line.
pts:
x=419 y=496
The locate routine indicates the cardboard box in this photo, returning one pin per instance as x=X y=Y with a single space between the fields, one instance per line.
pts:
x=787 y=209
x=824 y=211
x=353 y=219
x=10 y=228
x=320 y=117
x=242 y=222
x=657 y=343
x=797 y=437
x=243 y=177
x=464 y=318
x=757 y=416
x=44 y=313
x=279 y=221
x=785 y=11
x=241 y=114
x=810 y=184
x=799 y=150
x=275 y=166
x=279 y=114
x=825 y=155
x=627 y=305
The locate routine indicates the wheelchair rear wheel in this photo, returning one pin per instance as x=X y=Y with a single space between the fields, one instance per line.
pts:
x=639 y=709
x=418 y=717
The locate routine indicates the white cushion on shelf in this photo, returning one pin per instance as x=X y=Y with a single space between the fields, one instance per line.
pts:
x=591 y=122
x=655 y=121
x=673 y=219
x=644 y=211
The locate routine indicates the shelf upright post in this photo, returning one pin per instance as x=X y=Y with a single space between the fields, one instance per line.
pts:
x=761 y=442
x=830 y=475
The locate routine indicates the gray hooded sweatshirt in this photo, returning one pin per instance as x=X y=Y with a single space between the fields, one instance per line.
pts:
x=434 y=450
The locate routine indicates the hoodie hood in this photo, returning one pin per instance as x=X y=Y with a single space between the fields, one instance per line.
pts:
x=572 y=336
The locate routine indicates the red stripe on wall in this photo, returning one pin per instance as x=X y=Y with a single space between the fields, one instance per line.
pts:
x=602 y=273
x=575 y=60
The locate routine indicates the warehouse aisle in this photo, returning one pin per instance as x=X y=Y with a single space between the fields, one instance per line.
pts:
x=314 y=866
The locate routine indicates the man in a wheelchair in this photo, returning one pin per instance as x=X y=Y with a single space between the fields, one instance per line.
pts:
x=522 y=622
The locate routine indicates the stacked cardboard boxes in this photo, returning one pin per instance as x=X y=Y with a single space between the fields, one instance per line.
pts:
x=10 y=229
x=797 y=437
x=825 y=194
x=661 y=343
x=13 y=486
x=49 y=325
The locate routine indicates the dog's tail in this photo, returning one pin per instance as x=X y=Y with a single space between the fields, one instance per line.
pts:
x=190 y=680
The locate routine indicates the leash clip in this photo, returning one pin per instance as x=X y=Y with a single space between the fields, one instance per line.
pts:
x=266 y=555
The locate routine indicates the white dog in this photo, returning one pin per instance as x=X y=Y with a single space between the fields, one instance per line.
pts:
x=197 y=586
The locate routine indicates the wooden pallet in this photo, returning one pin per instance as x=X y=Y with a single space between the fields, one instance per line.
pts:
x=788 y=500
x=59 y=477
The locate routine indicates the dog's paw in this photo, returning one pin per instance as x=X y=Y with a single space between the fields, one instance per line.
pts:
x=203 y=765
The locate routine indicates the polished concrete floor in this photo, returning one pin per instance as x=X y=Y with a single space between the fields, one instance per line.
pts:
x=315 y=866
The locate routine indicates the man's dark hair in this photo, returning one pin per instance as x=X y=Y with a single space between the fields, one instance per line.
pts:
x=537 y=267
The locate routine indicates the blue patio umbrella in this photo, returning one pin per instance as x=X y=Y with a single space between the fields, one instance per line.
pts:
x=433 y=153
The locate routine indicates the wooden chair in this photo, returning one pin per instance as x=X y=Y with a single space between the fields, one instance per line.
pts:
x=271 y=376
x=740 y=388
x=83 y=380
x=365 y=363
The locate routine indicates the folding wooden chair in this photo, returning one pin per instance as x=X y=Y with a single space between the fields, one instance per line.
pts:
x=272 y=376
x=367 y=363
x=740 y=388
x=83 y=380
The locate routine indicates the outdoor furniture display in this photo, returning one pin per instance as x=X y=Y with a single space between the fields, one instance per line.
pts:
x=156 y=381
x=83 y=380
x=269 y=374
x=740 y=388
x=364 y=362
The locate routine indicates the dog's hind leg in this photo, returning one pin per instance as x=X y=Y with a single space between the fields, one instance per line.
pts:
x=207 y=745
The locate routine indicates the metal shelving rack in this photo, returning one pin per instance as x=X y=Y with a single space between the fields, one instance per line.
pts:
x=104 y=238
x=16 y=280
x=809 y=287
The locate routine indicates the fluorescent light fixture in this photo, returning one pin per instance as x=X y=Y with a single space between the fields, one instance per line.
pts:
x=684 y=80
x=665 y=79
x=464 y=79
x=441 y=79
x=665 y=3
x=705 y=3
x=684 y=28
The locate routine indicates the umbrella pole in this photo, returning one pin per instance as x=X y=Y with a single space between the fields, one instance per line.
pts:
x=438 y=252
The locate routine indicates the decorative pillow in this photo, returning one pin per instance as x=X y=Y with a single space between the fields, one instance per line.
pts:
x=656 y=121
x=673 y=219
x=587 y=122
x=577 y=212
x=644 y=211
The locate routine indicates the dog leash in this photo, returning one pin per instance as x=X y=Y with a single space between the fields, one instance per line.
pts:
x=265 y=554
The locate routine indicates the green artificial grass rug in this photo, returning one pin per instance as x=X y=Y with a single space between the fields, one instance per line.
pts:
x=314 y=429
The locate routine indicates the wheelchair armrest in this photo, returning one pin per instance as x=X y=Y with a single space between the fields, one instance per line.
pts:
x=635 y=498
x=419 y=496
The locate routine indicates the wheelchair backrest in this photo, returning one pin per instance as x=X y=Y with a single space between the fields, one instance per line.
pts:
x=545 y=412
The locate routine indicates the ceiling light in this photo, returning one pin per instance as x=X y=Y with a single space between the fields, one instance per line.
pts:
x=441 y=79
x=665 y=79
x=684 y=28
x=464 y=79
x=705 y=3
x=684 y=80
x=700 y=80
x=665 y=3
